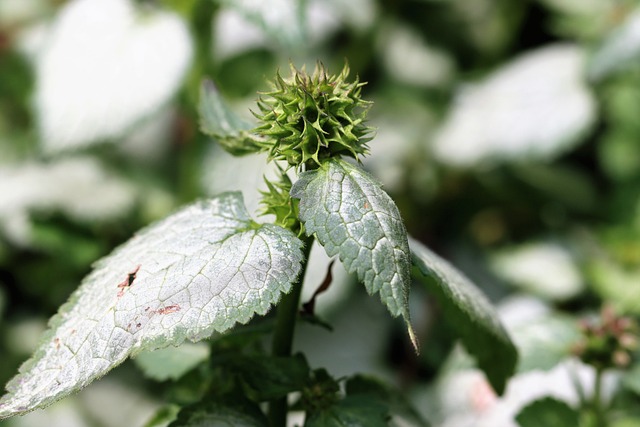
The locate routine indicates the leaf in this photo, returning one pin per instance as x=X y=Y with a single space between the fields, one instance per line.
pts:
x=543 y=344
x=114 y=82
x=352 y=217
x=163 y=416
x=534 y=108
x=172 y=362
x=471 y=315
x=399 y=406
x=269 y=378
x=352 y=411
x=283 y=21
x=220 y=122
x=221 y=414
x=203 y=269
x=620 y=50
x=548 y=412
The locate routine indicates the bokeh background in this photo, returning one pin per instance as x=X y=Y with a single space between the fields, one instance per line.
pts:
x=508 y=132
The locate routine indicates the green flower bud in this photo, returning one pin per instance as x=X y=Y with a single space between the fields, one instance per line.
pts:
x=306 y=119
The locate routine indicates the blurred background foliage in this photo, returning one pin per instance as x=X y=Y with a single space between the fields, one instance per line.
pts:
x=508 y=132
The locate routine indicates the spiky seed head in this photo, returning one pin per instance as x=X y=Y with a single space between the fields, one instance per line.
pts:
x=306 y=119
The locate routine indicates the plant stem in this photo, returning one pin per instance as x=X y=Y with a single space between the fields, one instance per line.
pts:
x=282 y=344
x=598 y=409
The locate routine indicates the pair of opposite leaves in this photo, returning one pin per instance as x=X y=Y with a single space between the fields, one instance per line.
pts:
x=209 y=266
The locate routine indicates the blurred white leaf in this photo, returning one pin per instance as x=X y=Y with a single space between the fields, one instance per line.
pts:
x=619 y=50
x=172 y=362
x=545 y=269
x=408 y=58
x=111 y=402
x=283 y=21
x=60 y=414
x=467 y=399
x=533 y=108
x=105 y=66
x=225 y=172
x=79 y=187
x=291 y=24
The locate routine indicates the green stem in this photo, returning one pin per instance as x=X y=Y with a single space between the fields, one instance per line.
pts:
x=598 y=409
x=286 y=314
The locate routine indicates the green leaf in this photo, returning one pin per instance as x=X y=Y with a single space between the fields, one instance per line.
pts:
x=218 y=414
x=202 y=269
x=398 y=405
x=352 y=217
x=352 y=411
x=471 y=315
x=269 y=378
x=163 y=416
x=220 y=122
x=172 y=362
x=548 y=412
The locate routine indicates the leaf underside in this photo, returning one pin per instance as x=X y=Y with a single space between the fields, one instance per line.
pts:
x=471 y=315
x=352 y=217
x=200 y=270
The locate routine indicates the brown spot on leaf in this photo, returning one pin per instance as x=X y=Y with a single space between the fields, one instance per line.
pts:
x=367 y=205
x=56 y=341
x=168 y=309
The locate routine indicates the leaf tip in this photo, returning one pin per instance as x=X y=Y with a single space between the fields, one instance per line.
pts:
x=414 y=339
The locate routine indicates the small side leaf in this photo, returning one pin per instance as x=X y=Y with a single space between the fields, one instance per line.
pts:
x=202 y=269
x=352 y=411
x=400 y=408
x=548 y=412
x=268 y=378
x=220 y=414
x=220 y=122
x=470 y=313
x=352 y=217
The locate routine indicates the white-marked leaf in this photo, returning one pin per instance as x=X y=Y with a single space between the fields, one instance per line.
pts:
x=352 y=217
x=283 y=21
x=201 y=270
x=219 y=121
x=620 y=50
x=127 y=63
x=469 y=312
x=534 y=108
